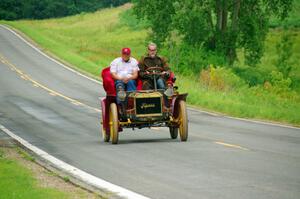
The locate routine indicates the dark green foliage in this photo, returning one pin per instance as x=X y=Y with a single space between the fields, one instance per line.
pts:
x=219 y=26
x=293 y=19
x=284 y=51
x=189 y=20
x=253 y=28
x=279 y=8
x=41 y=9
x=159 y=14
x=10 y=9
x=295 y=85
x=188 y=59
x=251 y=75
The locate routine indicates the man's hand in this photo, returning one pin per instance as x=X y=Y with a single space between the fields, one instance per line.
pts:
x=166 y=73
x=126 y=80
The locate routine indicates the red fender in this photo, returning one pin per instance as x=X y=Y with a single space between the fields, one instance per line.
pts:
x=105 y=103
x=175 y=102
x=105 y=114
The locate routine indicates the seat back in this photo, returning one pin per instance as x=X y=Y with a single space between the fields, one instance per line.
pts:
x=108 y=82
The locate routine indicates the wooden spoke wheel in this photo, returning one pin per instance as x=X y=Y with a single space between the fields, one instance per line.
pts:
x=113 y=123
x=183 y=121
x=105 y=135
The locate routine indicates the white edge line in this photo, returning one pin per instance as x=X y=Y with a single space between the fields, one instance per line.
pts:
x=75 y=172
x=99 y=82
x=261 y=122
x=52 y=59
x=243 y=119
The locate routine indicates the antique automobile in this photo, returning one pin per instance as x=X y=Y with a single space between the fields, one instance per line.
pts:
x=143 y=108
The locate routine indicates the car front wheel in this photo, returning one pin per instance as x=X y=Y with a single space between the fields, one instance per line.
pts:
x=113 y=123
x=183 y=121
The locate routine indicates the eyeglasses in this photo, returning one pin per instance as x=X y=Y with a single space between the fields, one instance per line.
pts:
x=151 y=49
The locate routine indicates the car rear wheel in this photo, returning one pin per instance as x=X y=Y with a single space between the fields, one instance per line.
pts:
x=113 y=123
x=173 y=132
x=183 y=121
x=105 y=135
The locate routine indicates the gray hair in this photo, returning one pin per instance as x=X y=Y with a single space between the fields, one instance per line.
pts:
x=152 y=44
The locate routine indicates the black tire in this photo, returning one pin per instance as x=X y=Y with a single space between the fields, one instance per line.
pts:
x=173 y=132
x=183 y=121
x=113 y=123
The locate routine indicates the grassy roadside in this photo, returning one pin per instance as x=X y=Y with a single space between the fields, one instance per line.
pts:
x=246 y=103
x=22 y=178
x=90 y=41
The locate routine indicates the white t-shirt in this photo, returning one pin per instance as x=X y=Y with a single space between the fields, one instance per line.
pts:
x=122 y=68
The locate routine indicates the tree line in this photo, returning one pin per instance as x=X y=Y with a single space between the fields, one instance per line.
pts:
x=217 y=26
x=42 y=9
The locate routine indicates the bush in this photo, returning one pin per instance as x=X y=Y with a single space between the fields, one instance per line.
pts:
x=220 y=78
x=284 y=52
x=187 y=59
x=252 y=76
x=280 y=85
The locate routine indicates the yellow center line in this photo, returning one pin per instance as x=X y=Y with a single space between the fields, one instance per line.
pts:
x=77 y=103
x=50 y=91
x=232 y=145
x=53 y=94
x=97 y=110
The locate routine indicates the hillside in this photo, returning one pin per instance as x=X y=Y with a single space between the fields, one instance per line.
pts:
x=89 y=41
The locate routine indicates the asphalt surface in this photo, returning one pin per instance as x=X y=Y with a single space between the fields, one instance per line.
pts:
x=40 y=101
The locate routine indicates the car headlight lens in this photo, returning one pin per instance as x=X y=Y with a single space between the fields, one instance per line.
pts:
x=169 y=92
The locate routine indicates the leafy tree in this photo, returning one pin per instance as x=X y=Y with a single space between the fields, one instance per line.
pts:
x=41 y=9
x=159 y=14
x=10 y=9
x=218 y=25
x=284 y=50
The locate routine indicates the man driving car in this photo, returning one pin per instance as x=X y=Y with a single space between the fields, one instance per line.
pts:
x=152 y=62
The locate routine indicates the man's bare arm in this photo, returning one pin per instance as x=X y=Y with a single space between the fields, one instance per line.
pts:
x=116 y=77
x=134 y=75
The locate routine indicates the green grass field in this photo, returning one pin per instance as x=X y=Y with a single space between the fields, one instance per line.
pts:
x=91 y=41
x=87 y=41
x=246 y=103
x=17 y=182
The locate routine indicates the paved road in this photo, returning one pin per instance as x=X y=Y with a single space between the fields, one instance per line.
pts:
x=223 y=158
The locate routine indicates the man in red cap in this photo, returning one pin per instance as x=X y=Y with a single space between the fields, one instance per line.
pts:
x=124 y=70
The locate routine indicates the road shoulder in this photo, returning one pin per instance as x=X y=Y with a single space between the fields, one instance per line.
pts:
x=46 y=178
